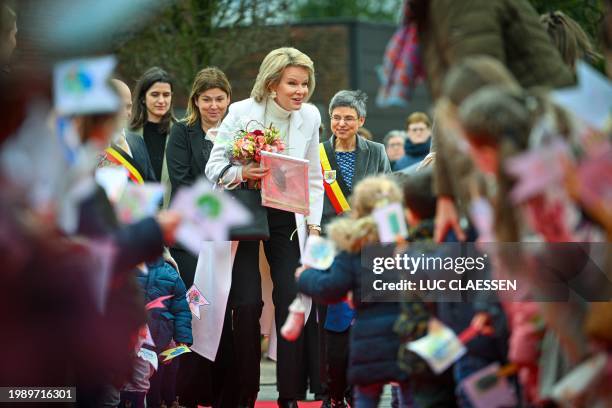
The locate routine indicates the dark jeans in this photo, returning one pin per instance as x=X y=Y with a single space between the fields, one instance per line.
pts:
x=163 y=384
x=283 y=255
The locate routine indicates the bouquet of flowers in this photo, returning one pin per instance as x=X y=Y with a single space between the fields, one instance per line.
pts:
x=248 y=145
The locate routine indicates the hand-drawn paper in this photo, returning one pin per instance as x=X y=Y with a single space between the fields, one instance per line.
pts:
x=208 y=214
x=195 y=300
x=440 y=347
x=113 y=180
x=139 y=201
x=591 y=99
x=286 y=185
x=149 y=356
x=537 y=170
x=319 y=253
x=157 y=303
x=391 y=222
x=594 y=178
x=486 y=389
x=580 y=378
x=175 y=352
x=82 y=86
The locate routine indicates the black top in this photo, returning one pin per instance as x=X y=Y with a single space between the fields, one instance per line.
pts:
x=187 y=154
x=156 y=146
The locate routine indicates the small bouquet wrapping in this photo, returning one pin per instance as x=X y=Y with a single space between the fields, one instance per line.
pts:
x=247 y=145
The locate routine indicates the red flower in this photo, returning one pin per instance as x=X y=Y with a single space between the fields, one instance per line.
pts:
x=257 y=132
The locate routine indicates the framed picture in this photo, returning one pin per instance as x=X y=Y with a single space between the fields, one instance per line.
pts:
x=286 y=185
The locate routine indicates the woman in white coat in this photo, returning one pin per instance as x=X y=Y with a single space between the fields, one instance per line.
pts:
x=282 y=88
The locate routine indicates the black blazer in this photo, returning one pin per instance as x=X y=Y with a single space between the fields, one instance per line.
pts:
x=141 y=156
x=371 y=160
x=187 y=153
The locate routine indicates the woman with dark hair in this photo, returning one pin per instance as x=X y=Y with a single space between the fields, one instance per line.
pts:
x=152 y=118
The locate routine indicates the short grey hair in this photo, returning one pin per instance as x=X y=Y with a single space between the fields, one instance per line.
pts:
x=392 y=134
x=350 y=99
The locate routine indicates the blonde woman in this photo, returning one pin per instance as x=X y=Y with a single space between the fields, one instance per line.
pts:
x=283 y=86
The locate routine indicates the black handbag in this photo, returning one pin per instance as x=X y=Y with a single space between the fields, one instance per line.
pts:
x=258 y=229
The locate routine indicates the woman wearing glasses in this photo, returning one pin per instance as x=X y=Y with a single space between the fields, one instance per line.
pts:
x=346 y=159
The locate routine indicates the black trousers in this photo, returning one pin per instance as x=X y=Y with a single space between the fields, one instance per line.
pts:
x=337 y=363
x=283 y=254
x=233 y=378
x=163 y=384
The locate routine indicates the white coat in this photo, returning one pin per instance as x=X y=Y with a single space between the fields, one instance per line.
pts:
x=213 y=274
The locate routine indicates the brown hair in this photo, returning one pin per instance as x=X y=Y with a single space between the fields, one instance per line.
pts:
x=359 y=228
x=418 y=117
x=139 y=109
x=569 y=38
x=207 y=78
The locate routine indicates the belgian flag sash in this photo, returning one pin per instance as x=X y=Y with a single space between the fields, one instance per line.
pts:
x=332 y=186
x=116 y=155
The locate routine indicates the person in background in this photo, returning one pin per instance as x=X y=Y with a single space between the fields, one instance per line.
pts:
x=510 y=32
x=347 y=159
x=418 y=142
x=570 y=39
x=128 y=147
x=373 y=346
x=152 y=118
x=394 y=146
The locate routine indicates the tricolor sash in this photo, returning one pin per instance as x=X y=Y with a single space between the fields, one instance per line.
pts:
x=116 y=155
x=332 y=187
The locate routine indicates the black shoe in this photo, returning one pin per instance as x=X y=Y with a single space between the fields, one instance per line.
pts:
x=287 y=403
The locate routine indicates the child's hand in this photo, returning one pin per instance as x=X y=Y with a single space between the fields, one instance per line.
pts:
x=482 y=322
x=299 y=271
x=169 y=221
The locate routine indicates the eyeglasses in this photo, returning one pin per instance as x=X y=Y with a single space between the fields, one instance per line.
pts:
x=419 y=129
x=347 y=119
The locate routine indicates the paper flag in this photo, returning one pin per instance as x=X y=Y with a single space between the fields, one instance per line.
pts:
x=319 y=252
x=139 y=201
x=591 y=99
x=208 y=215
x=82 y=86
x=391 y=222
x=157 y=303
x=440 y=347
x=195 y=300
x=144 y=335
x=113 y=180
x=594 y=178
x=537 y=170
x=580 y=378
x=149 y=356
x=175 y=352
x=496 y=393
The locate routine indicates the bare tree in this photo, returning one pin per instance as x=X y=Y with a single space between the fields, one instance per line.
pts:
x=191 y=34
